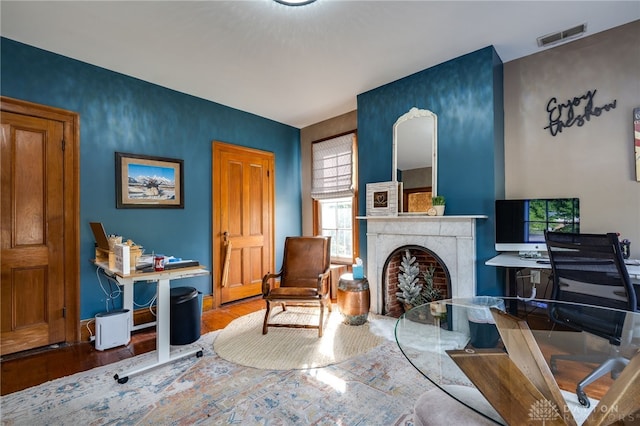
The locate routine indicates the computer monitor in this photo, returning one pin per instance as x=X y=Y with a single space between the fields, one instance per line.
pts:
x=520 y=224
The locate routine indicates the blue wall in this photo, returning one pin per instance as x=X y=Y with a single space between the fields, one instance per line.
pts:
x=120 y=113
x=466 y=93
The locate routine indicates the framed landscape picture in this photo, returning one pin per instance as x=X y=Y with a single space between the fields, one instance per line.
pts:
x=144 y=181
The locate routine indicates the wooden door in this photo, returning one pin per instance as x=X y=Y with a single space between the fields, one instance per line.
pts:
x=37 y=276
x=243 y=188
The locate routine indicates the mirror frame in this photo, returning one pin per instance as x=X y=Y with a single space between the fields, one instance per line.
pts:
x=416 y=113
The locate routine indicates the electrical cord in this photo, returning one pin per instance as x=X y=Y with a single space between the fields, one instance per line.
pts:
x=525 y=300
x=114 y=294
x=92 y=337
x=530 y=298
x=151 y=306
x=520 y=277
x=143 y=305
x=111 y=294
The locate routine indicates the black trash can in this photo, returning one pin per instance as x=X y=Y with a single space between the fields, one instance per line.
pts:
x=482 y=327
x=185 y=316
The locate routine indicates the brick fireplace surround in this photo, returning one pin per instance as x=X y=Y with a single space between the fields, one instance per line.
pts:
x=424 y=259
x=452 y=239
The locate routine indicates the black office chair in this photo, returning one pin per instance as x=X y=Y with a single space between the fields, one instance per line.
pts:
x=588 y=269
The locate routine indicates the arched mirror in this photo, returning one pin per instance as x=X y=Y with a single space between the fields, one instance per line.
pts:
x=415 y=159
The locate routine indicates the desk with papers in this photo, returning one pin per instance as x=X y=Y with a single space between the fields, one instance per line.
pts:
x=164 y=352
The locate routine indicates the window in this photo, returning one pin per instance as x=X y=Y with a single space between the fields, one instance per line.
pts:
x=558 y=215
x=334 y=193
x=336 y=219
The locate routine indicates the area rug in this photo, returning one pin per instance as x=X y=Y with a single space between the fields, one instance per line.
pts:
x=282 y=348
x=378 y=387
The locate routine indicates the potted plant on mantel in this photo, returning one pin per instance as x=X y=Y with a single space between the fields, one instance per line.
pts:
x=438 y=204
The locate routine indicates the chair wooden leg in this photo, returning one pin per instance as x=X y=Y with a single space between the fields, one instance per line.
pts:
x=321 y=320
x=265 y=326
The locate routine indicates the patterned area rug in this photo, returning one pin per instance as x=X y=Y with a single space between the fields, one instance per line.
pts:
x=242 y=340
x=378 y=387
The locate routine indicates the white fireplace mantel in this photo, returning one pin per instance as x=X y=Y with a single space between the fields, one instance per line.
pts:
x=451 y=238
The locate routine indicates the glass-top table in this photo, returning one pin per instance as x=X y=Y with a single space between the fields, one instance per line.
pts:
x=513 y=369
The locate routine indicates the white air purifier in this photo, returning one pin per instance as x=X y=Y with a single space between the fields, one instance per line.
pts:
x=113 y=329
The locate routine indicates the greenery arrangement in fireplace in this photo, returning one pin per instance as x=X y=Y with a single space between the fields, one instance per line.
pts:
x=413 y=291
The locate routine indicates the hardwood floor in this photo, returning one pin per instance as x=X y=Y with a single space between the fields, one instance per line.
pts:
x=31 y=368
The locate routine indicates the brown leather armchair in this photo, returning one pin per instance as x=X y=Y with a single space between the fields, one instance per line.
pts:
x=304 y=279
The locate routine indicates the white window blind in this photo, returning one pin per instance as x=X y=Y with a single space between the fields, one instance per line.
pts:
x=333 y=168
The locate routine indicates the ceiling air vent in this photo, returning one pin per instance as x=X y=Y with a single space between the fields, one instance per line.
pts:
x=565 y=35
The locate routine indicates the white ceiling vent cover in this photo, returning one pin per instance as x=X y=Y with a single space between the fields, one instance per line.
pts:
x=560 y=36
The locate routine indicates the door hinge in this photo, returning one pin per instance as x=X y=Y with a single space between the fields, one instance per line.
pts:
x=64 y=312
x=268 y=173
x=63 y=144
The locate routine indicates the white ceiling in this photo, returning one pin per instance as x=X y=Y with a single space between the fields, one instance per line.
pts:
x=296 y=65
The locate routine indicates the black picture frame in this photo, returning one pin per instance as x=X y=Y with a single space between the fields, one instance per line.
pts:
x=145 y=181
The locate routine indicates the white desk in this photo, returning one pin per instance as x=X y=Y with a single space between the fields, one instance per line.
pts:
x=164 y=352
x=513 y=262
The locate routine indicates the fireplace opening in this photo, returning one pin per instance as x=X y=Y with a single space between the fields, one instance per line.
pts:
x=426 y=261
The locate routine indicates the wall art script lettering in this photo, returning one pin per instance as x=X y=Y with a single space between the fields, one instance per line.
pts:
x=576 y=111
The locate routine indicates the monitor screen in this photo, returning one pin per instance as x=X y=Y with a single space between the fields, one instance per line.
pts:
x=520 y=224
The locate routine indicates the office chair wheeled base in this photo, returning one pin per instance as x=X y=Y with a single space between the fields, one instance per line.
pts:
x=613 y=365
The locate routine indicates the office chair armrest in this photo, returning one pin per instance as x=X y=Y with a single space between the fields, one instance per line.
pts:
x=266 y=282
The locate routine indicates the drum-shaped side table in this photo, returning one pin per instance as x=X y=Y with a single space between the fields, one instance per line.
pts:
x=353 y=299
